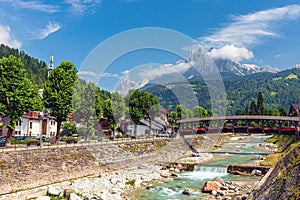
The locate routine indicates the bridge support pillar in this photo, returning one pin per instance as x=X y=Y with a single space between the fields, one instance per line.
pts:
x=247 y=121
x=206 y=124
x=233 y=125
x=193 y=128
x=180 y=128
x=279 y=123
x=219 y=125
x=297 y=124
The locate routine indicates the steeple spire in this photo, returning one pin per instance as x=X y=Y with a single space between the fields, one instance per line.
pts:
x=51 y=65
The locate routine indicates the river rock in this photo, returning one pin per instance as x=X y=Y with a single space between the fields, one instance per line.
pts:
x=231 y=187
x=221 y=192
x=74 y=197
x=210 y=186
x=186 y=192
x=180 y=167
x=43 y=198
x=256 y=172
x=67 y=192
x=214 y=192
x=220 y=180
x=55 y=191
x=164 y=174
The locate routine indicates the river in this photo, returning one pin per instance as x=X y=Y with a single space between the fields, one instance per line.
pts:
x=246 y=149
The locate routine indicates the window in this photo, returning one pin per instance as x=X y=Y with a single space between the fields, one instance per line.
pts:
x=30 y=125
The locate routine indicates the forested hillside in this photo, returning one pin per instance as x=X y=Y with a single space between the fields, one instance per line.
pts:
x=37 y=70
x=279 y=90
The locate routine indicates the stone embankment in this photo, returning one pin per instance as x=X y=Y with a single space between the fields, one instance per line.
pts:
x=23 y=170
x=68 y=166
x=283 y=182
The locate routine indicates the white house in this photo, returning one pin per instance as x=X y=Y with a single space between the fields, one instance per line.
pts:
x=33 y=124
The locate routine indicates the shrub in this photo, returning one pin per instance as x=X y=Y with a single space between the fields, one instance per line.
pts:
x=130 y=182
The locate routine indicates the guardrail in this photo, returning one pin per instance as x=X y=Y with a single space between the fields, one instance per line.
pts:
x=64 y=144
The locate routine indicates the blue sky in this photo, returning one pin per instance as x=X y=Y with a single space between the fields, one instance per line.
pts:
x=258 y=32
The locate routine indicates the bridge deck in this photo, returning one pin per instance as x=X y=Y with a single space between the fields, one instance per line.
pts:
x=240 y=117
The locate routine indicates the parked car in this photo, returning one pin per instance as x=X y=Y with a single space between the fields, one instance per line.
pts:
x=2 y=141
x=82 y=138
x=163 y=134
x=44 y=138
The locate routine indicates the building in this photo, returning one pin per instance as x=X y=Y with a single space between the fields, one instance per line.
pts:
x=32 y=124
x=294 y=110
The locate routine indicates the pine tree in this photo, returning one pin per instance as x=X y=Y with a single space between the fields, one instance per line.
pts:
x=253 y=108
x=260 y=104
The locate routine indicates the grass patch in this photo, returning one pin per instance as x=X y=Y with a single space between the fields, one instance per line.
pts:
x=292 y=76
x=281 y=141
x=130 y=182
x=284 y=143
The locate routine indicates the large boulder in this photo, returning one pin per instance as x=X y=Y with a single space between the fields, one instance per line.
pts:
x=210 y=186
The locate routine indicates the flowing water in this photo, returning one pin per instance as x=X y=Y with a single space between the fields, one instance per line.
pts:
x=171 y=189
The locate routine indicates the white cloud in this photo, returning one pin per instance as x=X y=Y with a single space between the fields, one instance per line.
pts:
x=247 y=30
x=49 y=29
x=231 y=52
x=111 y=75
x=33 y=5
x=5 y=37
x=126 y=72
x=89 y=73
x=165 y=70
x=80 y=7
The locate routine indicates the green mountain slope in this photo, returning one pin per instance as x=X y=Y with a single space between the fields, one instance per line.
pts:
x=279 y=90
x=37 y=70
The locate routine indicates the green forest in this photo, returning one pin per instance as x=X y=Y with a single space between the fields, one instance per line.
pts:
x=36 y=70
x=279 y=90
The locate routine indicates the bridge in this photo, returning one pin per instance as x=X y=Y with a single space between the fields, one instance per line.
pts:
x=241 y=123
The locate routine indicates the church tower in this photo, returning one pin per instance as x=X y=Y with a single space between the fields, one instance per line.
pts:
x=51 y=65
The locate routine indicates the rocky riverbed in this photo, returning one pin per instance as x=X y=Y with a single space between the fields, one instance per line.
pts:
x=108 y=185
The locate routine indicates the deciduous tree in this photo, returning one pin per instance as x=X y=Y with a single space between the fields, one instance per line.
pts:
x=84 y=106
x=140 y=103
x=17 y=93
x=58 y=92
x=114 y=108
